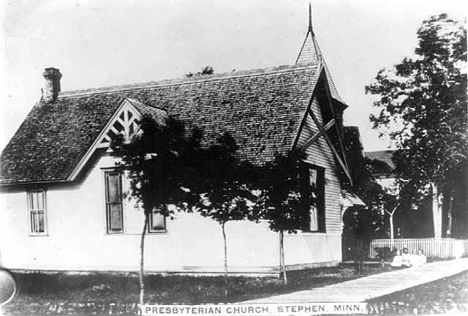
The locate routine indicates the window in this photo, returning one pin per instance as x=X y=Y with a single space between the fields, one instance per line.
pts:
x=37 y=212
x=157 y=222
x=317 y=199
x=114 y=205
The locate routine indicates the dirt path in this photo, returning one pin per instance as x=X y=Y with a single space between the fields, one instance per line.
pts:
x=363 y=289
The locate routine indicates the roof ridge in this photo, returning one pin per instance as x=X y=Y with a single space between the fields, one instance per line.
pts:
x=191 y=80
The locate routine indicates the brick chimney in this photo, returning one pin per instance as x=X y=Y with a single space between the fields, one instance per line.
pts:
x=52 y=84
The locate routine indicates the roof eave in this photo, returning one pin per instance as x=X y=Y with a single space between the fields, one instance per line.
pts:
x=29 y=182
x=320 y=72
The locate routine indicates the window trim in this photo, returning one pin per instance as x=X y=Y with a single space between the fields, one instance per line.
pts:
x=106 y=208
x=29 y=193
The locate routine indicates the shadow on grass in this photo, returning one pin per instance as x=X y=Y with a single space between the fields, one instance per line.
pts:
x=38 y=289
x=448 y=295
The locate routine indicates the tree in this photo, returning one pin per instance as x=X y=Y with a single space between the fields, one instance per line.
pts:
x=224 y=193
x=367 y=221
x=157 y=161
x=362 y=223
x=207 y=70
x=284 y=197
x=424 y=100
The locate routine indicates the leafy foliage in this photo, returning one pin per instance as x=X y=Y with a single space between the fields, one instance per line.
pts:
x=208 y=70
x=223 y=182
x=364 y=222
x=424 y=100
x=223 y=188
x=157 y=163
x=284 y=193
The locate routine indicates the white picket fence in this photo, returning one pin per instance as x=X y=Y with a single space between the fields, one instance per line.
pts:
x=441 y=248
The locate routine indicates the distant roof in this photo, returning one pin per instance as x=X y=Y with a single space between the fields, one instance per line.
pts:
x=262 y=110
x=350 y=199
x=384 y=163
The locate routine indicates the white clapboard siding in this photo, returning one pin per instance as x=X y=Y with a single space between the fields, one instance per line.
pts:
x=320 y=154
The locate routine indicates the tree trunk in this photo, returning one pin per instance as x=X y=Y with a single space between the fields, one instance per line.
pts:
x=436 y=212
x=392 y=228
x=449 y=214
x=226 y=273
x=282 y=263
x=392 y=231
x=142 y=260
x=358 y=260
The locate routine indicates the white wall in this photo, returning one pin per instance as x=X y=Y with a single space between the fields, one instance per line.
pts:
x=77 y=238
x=305 y=250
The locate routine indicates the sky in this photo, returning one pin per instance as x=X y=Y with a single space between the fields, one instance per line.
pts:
x=97 y=43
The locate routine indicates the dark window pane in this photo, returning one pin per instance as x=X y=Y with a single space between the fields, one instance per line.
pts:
x=317 y=199
x=32 y=201
x=313 y=218
x=41 y=222
x=37 y=222
x=33 y=222
x=115 y=217
x=40 y=200
x=114 y=201
x=313 y=178
x=114 y=193
x=157 y=222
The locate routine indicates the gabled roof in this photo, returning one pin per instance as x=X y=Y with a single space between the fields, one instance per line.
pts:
x=262 y=109
x=54 y=137
x=124 y=123
x=158 y=115
x=310 y=53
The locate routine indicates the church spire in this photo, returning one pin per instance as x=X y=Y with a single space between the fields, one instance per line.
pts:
x=310 y=19
x=310 y=53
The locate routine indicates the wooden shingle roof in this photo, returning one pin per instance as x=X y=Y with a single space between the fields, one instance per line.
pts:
x=262 y=109
x=310 y=53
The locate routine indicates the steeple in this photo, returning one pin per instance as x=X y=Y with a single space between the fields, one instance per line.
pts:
x=310 y=53
x=310 y=19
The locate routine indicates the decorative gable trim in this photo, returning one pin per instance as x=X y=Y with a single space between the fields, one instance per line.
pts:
x=322 y=130
x=124 y=123
x=342 y=160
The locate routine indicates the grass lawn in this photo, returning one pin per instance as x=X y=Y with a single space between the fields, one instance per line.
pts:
x=438 y=297
x=54 y=293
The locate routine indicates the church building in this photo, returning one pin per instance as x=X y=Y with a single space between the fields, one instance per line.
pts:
x=66 y=207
